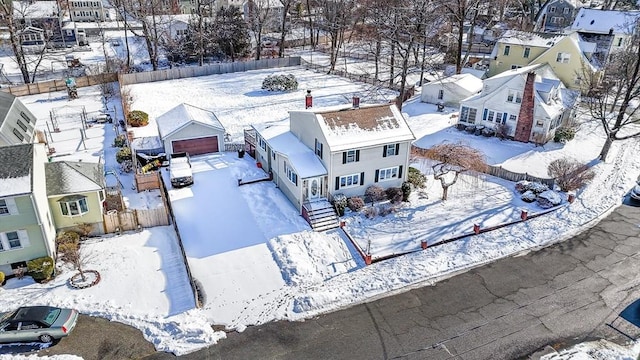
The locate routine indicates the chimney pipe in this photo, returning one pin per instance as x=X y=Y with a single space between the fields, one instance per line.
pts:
x=356 y=102
x=308 y=100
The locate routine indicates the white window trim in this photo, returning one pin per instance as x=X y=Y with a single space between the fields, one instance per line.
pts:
x=80 y=212
x=390 y=150
x=351 y=156
x=291 y=175
x=23 y=238
x=515 y=95
x=353 y=183
x=382 y=174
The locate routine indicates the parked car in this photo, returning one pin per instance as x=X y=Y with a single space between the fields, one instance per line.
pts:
x=37 y=323
x=103 y=118
x=180 y=170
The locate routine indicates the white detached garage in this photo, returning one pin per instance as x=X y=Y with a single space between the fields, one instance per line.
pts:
x=187 y=128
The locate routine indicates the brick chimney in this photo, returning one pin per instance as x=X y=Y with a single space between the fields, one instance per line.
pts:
x=308 y=100
x=525 y=117
x=356 y=102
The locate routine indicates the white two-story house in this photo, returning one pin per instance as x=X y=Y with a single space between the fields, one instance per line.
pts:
x=321 y=153
x=526 y=104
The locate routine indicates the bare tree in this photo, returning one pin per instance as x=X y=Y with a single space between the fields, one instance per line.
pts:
x=461 y=12
x=259 y=18
x=570 y=174
x=450 y=160
x=286 y=6
x=612 y=99
x=337 y=18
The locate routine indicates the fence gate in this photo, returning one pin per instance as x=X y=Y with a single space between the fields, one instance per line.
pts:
x=115 y=221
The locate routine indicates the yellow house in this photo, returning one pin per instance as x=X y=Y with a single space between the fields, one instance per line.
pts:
x=569 y=55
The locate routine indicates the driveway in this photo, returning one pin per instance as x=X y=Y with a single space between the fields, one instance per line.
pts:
x=225 y=228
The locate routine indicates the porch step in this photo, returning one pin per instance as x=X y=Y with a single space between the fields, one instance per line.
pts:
x=321 y=215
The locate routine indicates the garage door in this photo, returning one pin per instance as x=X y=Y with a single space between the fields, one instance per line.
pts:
x=196 y=146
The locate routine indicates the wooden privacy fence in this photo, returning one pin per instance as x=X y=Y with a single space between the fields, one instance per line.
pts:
x=498 y=171
x=148 y=181
x=115 y=221
x=212 y=69
x=59 y=84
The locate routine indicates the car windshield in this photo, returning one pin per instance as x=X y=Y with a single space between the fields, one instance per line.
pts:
x=44 y=314
x=51 y=316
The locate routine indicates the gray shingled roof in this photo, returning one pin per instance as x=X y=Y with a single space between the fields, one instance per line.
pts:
x=68 y=177
x=16 y=160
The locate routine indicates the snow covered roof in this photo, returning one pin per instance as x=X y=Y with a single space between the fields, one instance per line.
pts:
x=365 y=126
x=466 y=81
x=516 y=37
x=283 y=141
x=16 y=169
x=35 y=9
x=69 y=177
x=147 y=143
x=603 y=21
x=184 y=114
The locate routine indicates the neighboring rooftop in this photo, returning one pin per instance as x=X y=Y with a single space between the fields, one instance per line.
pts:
x=605 y=21
x=537 y=39
x=16 y=169
x=68 y=177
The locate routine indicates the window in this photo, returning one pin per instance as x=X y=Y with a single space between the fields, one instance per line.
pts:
x=513 y=117
x=291 y=175
x=25 y=117
x=526 y=52
x=619 y=42
x=388 y=174
x=563 y=58
x=73 y=205
x=350 y=156
x=22 y=125
x=565 y=11
x=181 y=32
x=1 y=247
x=4 y=208
x=440 y=94
x=18 y=134
x=318 y=148
x=13 y=240
x=552 y=9
x=349 y=181
x=514 y=96
x=539 y=123
x=468 y=114
x=489 y=115
x=391 y=150
x=507 y=48
x=513 y=67
x=263 y=144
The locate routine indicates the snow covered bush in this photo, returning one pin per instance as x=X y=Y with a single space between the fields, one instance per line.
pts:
x=355 y=203
x=394 y=195
x=523 y=186
x=549 y=199
x=416 y=178
x=120 y=141
x=375 y=193
x=40 y=269
x=340 y=203
x=123 y=155
x=370 y=212
x=280 y=83
x=564 y=134
x=137 y=118
x=528 y=196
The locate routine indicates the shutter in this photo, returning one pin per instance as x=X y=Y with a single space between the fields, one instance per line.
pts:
x=296 y=180
x=24 y=238
x=315 y=145
x=397 y=148
x=321 y=151
x=400 y=172
x=337 y=182
x=344 y=157
x=384 y=151
x=484 y=114
x=357 y=155
x=377 y=173
x=362 y=178
x=11 y=205
x=504 y=118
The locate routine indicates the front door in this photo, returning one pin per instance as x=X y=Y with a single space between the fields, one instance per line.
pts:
x=314 y=189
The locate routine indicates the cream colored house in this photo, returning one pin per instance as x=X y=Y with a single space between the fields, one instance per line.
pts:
x=526 y=104
x=76 y=194
x=321 y=153
x=17 y=123
x=568 y=54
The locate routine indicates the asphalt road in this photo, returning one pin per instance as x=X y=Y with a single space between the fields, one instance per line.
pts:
x=563 y=294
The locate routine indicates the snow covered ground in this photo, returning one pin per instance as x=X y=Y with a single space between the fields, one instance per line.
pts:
x=256 y=258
